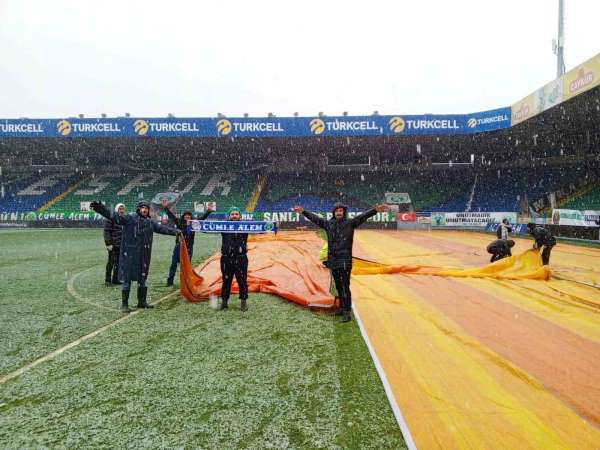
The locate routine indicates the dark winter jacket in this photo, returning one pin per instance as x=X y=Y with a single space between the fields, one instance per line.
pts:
x=180 y=224
x=543 y=237
x=136 y=242
x=499 y=231
x=501 y=247
x=112 y=233
x=234 y=244
x=340 y=235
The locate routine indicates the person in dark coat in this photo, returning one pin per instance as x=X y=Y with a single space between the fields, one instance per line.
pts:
x=112 y=240
x=504 y=229
x=136 y=248
x=340 y=236
x=234 y=262
x=500 y=249
x=182 y=224
x=543 y=238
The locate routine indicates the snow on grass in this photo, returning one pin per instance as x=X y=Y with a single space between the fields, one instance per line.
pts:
x=179 y=376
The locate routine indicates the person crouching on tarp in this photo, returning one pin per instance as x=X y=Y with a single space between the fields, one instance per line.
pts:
x=234 y=262
x=112 y=240
x=543 y=238
x=136 y=248
x=340 y=235
x=182 y=224
x=500 y=249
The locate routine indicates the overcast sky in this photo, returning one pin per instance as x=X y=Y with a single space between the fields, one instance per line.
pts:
x=200 y=57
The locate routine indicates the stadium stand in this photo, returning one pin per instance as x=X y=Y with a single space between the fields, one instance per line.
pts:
x=552 y=156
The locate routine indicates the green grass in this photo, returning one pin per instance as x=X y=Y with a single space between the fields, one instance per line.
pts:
x=179 y=376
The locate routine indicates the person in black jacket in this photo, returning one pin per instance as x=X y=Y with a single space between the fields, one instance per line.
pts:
x=500 y=249
x=504 y=229
x=136 y=248
x=543 y=238
x=340 y=236
x=112 y=240
x=182 y=224
x=234 y=262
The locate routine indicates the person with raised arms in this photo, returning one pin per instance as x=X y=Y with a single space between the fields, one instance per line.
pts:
x=136 y=248
x=181 y=223
x=234 y=262
x=340 y=237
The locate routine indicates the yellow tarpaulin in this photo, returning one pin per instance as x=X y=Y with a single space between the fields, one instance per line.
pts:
x=483 y=356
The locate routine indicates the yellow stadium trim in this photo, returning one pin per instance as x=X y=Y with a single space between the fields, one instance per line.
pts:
x=256 y=194
x=60 y=197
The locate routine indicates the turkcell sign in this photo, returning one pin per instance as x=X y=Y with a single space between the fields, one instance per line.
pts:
x=21 y=128
x=225 y=127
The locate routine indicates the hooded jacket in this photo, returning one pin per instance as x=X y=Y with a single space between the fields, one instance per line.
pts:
x=136 y=243
x=340 y=234
x=501 y=247
x=112 y=231
x=542 y=236
x=180 y=224
x=234 y=244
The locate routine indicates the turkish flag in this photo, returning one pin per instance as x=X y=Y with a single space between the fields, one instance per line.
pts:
x=406 y=217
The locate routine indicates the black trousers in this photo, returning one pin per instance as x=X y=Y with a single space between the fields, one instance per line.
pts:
x=234 y=266
x=112 y=265
x=500 y=255
x=546 y=254
x=341 y=277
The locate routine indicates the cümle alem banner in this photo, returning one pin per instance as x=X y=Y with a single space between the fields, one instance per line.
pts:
x=229 y=226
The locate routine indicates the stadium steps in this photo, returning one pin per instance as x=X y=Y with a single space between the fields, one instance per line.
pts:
x=574 y=199
x=49 y=204
x=251 y=206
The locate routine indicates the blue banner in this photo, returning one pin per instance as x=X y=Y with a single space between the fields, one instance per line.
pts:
x=397 y=125
x=230 y=226
x=517 y=229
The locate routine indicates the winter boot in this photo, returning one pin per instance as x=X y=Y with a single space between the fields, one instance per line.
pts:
x=346 y=317
x=223 y=305
x=125 y=302
x=244 y=305
x=142 y=293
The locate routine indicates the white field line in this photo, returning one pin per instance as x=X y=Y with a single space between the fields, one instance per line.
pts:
x=76 y=342
x=73 y=292
x=410 y=443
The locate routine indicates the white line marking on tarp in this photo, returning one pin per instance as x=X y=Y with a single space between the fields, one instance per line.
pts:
x=410 y=443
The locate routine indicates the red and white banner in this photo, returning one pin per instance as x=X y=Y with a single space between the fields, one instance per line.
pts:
x=406 y=217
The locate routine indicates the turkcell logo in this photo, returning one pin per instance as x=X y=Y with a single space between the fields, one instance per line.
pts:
x=432 y=124
x=21 y=128
x=475 y=122
x=318 y=126
x=225 y=127
x=65 y=127
x=141 y=127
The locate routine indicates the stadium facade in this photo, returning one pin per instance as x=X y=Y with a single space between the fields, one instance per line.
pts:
x=536 y=157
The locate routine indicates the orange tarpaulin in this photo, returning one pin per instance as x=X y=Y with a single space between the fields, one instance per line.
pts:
x=287 y=265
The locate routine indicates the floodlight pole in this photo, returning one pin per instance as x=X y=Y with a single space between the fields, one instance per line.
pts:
x=560 y=45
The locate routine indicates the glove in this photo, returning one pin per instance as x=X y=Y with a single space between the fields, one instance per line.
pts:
x=109 y=248
x=95 y=205
x=179 y=234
